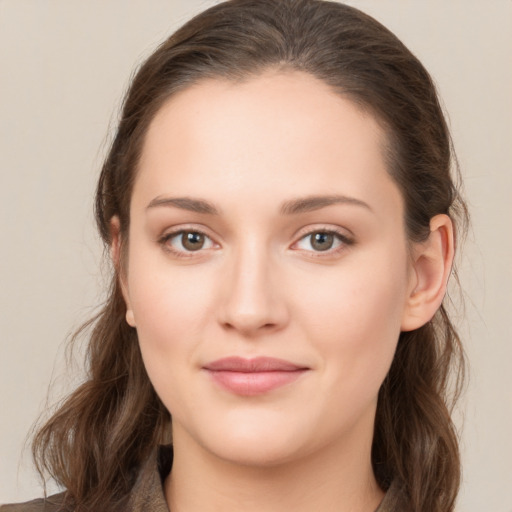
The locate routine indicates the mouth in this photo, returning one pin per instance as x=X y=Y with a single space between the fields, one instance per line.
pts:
x=250 y=377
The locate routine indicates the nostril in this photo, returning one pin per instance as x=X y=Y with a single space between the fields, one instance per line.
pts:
x=249 y=324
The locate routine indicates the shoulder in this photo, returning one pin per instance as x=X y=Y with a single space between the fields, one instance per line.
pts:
x=146 y=495
x=51 y=504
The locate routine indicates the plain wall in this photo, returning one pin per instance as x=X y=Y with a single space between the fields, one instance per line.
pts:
x=64 y=65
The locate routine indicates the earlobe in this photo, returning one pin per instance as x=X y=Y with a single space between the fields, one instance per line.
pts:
x=432 y=264
x=115 y=254
x=130 y=319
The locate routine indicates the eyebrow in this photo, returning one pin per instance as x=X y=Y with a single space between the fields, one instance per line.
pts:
x=291 y=207
x=311 y=203
x=185 y=203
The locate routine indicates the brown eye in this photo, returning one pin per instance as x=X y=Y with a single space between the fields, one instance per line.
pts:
x=183 y=242
x=329 y=242
x=192 y=241
x=322 y=241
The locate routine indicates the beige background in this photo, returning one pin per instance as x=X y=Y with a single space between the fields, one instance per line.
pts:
x=63 y=67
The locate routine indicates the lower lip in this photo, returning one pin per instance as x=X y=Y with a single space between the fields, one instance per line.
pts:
x=254 y=383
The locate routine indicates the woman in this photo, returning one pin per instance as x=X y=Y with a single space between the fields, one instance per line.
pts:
x=281 y=217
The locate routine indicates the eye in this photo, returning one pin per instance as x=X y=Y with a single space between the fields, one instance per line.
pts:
x=323 y=241
x=186 y=241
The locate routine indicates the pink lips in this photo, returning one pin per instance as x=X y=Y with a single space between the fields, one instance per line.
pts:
x=251 y=377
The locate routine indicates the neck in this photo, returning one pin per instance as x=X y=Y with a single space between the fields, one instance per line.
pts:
x=335 y=478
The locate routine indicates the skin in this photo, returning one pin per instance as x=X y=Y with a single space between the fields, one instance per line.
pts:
x=259 y=287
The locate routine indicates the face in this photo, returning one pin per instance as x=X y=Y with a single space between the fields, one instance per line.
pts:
x=267 y=272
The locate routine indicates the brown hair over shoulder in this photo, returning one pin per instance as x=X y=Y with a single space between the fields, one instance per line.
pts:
x=101 y=434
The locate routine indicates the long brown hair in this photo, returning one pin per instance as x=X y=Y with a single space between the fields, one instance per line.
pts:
x=98 y=438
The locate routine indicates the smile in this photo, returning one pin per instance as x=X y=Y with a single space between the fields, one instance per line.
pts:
x=250 y=377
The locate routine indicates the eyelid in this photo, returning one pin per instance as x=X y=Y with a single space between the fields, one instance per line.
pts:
x=179 y=230
x=346 y=239
x=321 y=227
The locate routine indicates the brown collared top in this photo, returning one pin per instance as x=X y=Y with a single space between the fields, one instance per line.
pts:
x=147 y=495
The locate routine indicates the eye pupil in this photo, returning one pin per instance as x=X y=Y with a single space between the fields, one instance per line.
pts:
x=322 y=241
x=192 y=241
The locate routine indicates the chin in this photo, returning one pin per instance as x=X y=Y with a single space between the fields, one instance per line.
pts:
x=258 y=453
x=258 y=442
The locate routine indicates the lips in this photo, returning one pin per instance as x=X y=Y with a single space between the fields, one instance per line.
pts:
x=250 y=377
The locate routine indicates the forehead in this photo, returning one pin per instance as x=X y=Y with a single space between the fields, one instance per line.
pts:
x=273 y=134
x=271 y=102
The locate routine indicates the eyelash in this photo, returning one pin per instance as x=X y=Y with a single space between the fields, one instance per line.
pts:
x=344 y=240
x=164 y=241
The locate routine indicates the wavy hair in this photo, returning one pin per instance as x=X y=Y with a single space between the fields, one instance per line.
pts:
x=101 y=434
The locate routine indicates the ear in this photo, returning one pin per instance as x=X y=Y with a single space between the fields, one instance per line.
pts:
x=115 y=254
x=431 y=267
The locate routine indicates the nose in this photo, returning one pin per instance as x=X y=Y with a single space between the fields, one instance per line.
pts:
x=253 y=297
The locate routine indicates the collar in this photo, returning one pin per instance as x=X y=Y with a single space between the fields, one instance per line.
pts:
x=148 y=491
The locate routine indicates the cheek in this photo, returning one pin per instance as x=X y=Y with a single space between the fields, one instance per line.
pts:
x=354 y=319
x=171 y=306
x=170 y=311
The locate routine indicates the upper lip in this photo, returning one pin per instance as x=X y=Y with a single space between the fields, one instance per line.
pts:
x=253 y=365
